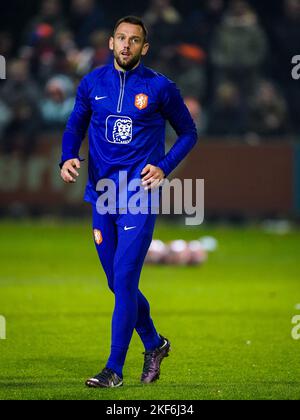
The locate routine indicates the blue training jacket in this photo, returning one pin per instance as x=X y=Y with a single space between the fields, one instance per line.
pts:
x=126 y=113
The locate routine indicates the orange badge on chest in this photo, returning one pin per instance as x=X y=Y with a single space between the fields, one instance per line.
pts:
x=98 y=236
x=141 y=101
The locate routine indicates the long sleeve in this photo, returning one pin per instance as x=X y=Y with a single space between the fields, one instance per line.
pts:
x=175 y=111
x=77 y=125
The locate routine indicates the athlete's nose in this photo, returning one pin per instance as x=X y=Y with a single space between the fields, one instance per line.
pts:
x=126 y=44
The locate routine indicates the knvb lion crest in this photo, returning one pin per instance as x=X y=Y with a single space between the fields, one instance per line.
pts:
x=141 y=101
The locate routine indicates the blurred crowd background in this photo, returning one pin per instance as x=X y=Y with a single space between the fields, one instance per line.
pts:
x=231 y=60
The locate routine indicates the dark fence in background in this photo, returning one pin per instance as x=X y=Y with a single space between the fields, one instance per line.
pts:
x=240 y=180
x=245 y=180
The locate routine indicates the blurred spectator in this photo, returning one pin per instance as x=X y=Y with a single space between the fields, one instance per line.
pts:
x=50 y=54
x=227 y=116
x=286 y=35
x=184 y=64
x=239 y=47
x=19 y=83
x=6 y=45
x=58 y=102
x=268 y=112
x=5 y=117
x=215 y=50
x=41 y=51
x=286 y=38
x=201 y=23
x=21 y=95
x=97 y=55
x=65 y=49
x=50 y=14
x=197 y=113
x=287 y=30
x=99 y=43
x=86 y=16
x=190 y=69
x=162 y=11
x=164 y=24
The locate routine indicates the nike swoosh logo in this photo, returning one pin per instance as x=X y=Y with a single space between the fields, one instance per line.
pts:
x=98 y=98
x=129 y=228
x=164 y=345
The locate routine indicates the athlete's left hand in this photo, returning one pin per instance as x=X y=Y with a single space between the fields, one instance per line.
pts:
x=153 y=177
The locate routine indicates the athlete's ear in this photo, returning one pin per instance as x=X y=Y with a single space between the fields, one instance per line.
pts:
x=145 y=49
x=111 y=43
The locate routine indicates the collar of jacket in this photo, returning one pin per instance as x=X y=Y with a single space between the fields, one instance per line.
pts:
x=137 y=71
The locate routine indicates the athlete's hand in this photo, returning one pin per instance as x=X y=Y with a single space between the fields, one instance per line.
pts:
x=69 y=172
x=153 y=177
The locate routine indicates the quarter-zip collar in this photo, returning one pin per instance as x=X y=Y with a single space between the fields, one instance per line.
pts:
x=138 y=70
x=123 y=77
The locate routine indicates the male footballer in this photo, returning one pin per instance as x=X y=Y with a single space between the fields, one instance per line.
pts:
x=126 y=106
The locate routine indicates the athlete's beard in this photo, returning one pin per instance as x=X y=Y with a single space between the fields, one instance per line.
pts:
x=130 y=64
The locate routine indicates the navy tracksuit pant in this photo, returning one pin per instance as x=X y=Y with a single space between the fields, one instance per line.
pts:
x=122 y=242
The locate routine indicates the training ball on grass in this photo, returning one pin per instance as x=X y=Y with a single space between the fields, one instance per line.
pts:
x=178 y=253
x=198 y=255
x=157 y=252
x=209 y=243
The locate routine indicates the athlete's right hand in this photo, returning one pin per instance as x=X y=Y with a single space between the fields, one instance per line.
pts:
x=68 y=171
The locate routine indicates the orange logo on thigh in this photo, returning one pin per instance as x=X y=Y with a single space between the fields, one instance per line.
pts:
x=98 y=236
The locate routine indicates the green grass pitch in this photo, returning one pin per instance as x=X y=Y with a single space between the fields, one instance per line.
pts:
x=229 y=321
